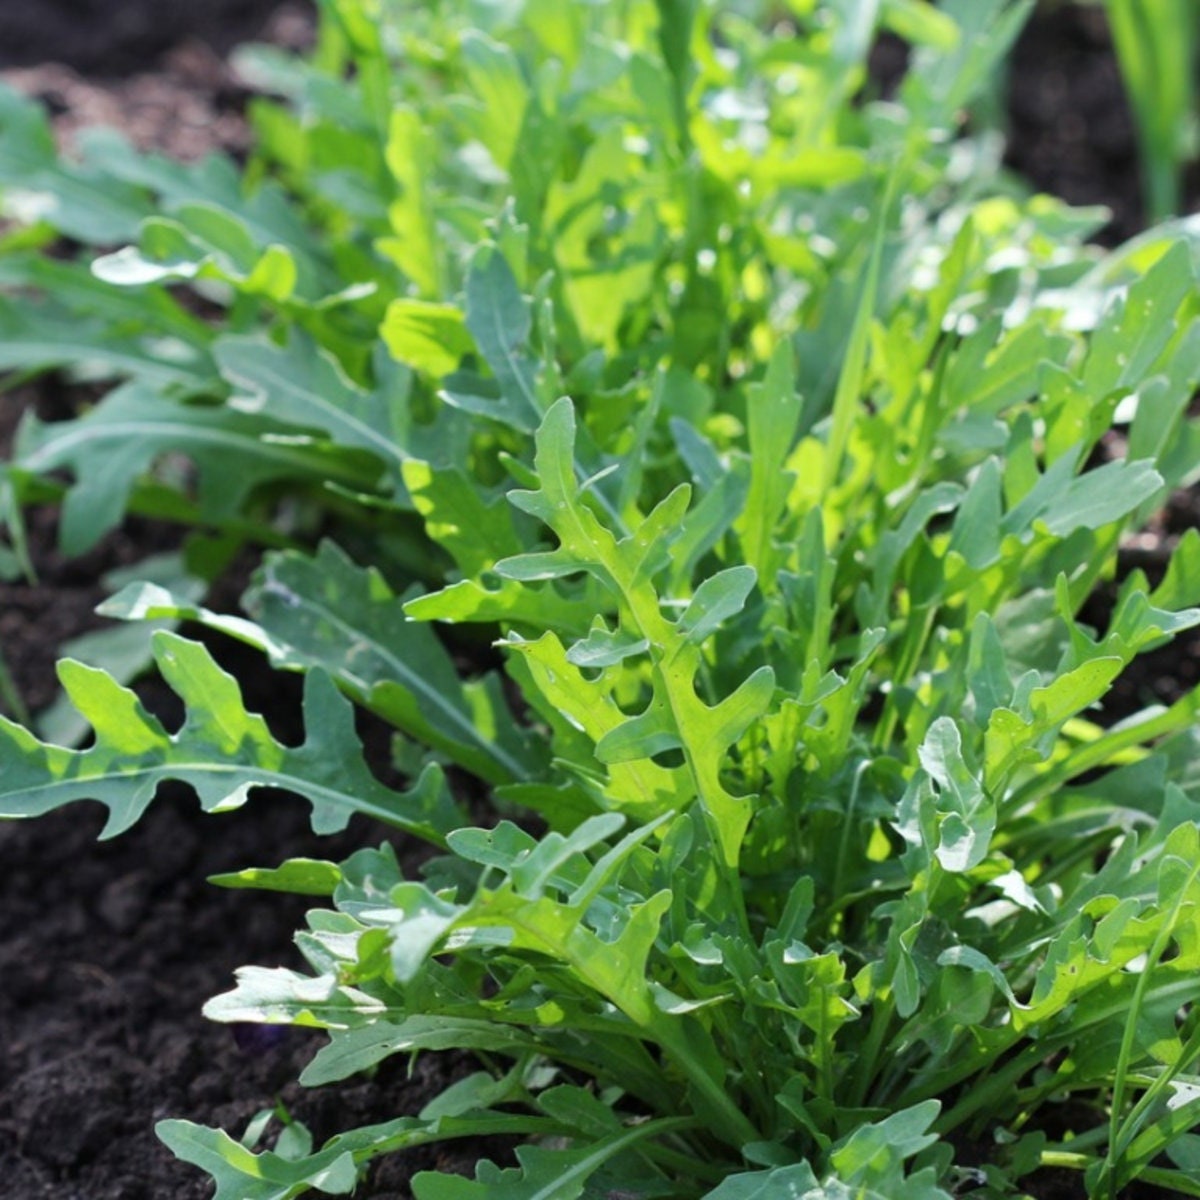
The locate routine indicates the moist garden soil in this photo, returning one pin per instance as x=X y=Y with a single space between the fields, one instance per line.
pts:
x=108 y=950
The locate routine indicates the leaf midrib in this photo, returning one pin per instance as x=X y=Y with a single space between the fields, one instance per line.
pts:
x=416 y=683
x=43 y=457
x=266 y=374
x=263 y=777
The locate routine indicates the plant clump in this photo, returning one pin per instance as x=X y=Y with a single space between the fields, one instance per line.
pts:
x=765 y=427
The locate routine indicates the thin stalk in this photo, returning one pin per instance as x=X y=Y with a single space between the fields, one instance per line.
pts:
x=910 y=656
x=881 y=1020
x=533 y=1126
x=684 y=1163
x=1117 y=1138
x=848 y=394
x=984 y=1096
x=10 y=695
x=1083 y=852
x=757 y=1082
x=1163 y=1080
x=1132 y=1124
x=736 y=1128
x=847 y=829
x=1085 y=1141
x=1154 y=51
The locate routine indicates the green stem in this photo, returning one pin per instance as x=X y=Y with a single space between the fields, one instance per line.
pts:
x=685 y=1164
x=848 y=394
x=1004 y=1080
x=10 y=695
x=910 y=655
x=758 y=1084
x=676 y=21
x=1175 y=1182
x=847 y=830
x=1170 y=1181
x=881 y=1019
x=1120 y=1132
x=732 y=1126
x=1132 y=1124
x=1085 y=1141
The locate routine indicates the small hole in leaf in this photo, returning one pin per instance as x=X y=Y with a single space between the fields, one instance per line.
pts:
x=669 y=759
x=634 y=701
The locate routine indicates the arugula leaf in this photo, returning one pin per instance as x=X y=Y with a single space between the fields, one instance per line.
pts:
x=110 y=447
x=302 y=385
x=32 y=339
x=676 y=717
x=325 y=612
x=221 y=750
x=266 y=1176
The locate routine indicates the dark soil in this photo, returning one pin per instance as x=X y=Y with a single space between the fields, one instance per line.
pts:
x=111 y=39
x=108 y=951
x=1071 y=130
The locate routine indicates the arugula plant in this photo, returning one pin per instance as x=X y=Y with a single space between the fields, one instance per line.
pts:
x=335 y=269
x=769 y=437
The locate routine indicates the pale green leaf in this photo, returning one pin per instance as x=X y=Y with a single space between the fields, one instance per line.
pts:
x=430 y=337
x=241 y=1175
